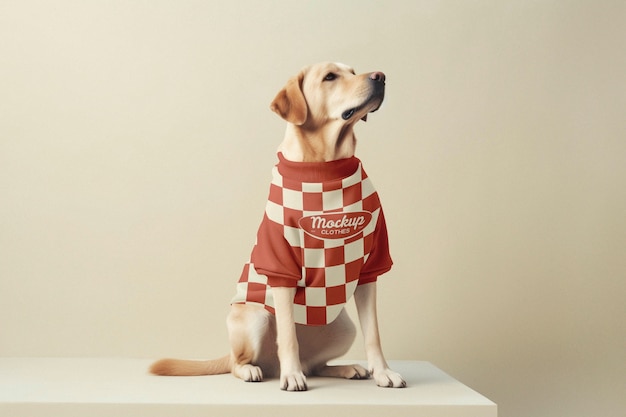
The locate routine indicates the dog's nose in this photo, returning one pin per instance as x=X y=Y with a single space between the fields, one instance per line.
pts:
x=377 y=76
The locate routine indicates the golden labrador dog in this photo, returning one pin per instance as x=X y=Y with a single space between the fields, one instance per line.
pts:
x=271 y=335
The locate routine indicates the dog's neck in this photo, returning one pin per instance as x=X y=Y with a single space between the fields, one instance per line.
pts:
x=334 y=141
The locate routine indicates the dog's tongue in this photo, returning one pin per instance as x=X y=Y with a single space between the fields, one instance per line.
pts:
x=364 y=118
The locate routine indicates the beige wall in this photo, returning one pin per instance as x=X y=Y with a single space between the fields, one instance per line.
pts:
x=135 y=152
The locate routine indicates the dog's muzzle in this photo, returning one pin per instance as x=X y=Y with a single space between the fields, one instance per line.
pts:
x=377 y=79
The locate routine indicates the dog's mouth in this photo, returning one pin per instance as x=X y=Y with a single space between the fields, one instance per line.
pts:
x=348 y=114
x=372 y=103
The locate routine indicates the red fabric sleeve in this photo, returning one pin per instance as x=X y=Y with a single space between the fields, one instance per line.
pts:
x=379 y=260
x=274 y=257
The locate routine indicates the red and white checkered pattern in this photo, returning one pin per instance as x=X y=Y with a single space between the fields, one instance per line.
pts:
x=330 y=268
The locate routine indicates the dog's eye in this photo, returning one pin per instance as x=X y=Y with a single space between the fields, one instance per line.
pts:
x=330 y=76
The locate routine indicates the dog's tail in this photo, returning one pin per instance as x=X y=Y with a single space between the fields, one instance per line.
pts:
x=182 y=367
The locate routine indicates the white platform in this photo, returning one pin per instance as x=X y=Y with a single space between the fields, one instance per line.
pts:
x=31 y=387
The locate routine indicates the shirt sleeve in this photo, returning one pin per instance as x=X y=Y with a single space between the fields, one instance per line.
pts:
x=274 y=257
x=379 y=260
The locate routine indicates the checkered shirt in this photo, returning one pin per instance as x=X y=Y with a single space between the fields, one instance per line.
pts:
x=323 y=232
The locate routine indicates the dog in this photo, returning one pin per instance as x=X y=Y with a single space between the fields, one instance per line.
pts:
x=322 y=240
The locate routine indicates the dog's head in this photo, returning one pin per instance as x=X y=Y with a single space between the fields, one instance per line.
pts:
x=327 y=93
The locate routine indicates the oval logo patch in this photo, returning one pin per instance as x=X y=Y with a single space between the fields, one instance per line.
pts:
x=335 y=225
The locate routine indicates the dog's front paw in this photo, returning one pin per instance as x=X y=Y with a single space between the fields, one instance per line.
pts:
x=294 y=381
x=387 y=378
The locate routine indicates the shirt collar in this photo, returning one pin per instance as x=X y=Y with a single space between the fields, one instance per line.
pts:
x=317 y=171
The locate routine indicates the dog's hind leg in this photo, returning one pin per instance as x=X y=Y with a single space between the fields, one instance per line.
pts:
x=343 y=371
x=325 y=343
x=249 y=330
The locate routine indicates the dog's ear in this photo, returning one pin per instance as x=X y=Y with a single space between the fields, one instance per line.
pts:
x=290 y=103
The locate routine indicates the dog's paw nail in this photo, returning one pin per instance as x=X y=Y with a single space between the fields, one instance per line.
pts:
x=360 y=373
x=293 y=383
x=390 y=379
